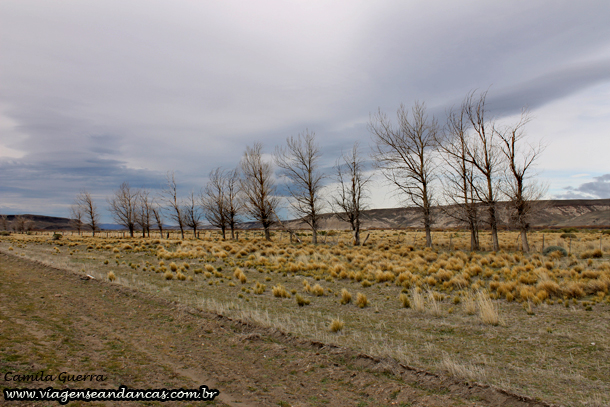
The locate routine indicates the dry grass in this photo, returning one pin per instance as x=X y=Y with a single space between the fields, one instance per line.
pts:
x=488 y=312
x=346 y=297
x=301 y=301
x=361 y=300
x=280 y=291
x=404 y=300
x=568 y=297
x=419 y=304
x=336 y=325
x=468 y=304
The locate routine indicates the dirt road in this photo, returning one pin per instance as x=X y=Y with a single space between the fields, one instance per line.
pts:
x=55 y=321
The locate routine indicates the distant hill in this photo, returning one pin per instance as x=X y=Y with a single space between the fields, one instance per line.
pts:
x=41 y=222
x=593 y=213
x=551 y=214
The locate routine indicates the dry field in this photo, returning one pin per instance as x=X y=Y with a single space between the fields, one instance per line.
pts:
x=532 y=324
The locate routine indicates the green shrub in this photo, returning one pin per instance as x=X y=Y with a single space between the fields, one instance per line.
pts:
x=551 y=249
x=5 y=233
x=569 y=230
x=56 y=236
x=568 y=236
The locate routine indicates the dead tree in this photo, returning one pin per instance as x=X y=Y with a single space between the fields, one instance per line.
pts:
x=157 y=213
x=19 y=223
x=350 y=199
x=405 y=156
x=89 y=209
x=234 y=199
x=4 y=222
x=459 y=178
x=192 y=213
x=520 y=188
x=76 y=217
x=258 y=188
x=174 y=204
x=123 y=206
x=485 y=155
x=220 y=201
x=144 y=212
x=299 y=163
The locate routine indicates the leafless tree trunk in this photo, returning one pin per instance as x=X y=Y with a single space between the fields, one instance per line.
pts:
x=220 y=200
x=460 y=179
x=405 y=157
x=157 y=213
x=91 y=214
x=192 y=214
x=299 y=163
x=258 y=187
x=76 y=217
x=484 y=154
x=173 y=203
x=123 y=206
x=521 y=190
x=352 y=192
x=234 y=199
x=4 y=222
x=19 y=223
x=143 y=212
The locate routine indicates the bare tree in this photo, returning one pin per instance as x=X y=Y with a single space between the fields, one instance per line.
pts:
x=213 y=201
x=352 y=192
x=258 y=187
x=485 y=155
x=123 y=206
x=405 y=156
x=459 y=179
x=91 y=214
x=76 y=217
x=234 y=199
x=521 y=190
x=19 y=223
x=299 y=162
x=144 y=212
x=157 y=213
x=4 y=222
x=220 y=201
x=174 y=204
x=192 y=213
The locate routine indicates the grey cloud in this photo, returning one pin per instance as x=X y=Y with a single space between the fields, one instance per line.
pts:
x=100 y=93
x=600 y=189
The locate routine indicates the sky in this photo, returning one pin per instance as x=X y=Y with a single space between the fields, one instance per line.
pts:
x=95 y=93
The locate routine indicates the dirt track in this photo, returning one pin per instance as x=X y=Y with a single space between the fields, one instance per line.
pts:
x=53 y=320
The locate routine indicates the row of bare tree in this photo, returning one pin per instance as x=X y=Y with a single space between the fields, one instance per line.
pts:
x=476 y=161
x=470 y=163
x=20 y=223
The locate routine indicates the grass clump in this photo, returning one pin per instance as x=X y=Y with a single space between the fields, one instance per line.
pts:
x=404 y=300
x=488 y=312
x=346 y=297
x=418 y=300
x=301 y=301
x=361 y=300
x=111 y=276
x=259 y=288
x=280 y=291
x=336 y=325
x=317 y=290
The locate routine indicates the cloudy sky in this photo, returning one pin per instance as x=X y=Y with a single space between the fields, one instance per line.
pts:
x=94 y=93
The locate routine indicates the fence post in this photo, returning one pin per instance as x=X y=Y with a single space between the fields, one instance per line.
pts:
x=542 y=243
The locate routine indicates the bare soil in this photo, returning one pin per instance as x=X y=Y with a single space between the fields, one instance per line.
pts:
x=56 y=321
